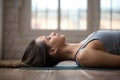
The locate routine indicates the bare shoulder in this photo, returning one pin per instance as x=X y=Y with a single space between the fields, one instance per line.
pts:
x=92 y=53
x=89 y=53
x=84 y=55
x=90 y=57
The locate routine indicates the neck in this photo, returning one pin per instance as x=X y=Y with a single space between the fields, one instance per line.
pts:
x=69 y=50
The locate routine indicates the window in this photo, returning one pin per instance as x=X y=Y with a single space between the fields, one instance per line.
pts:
x=73 y=14
x=110 y=14
x=44 y=14
x=59 y=14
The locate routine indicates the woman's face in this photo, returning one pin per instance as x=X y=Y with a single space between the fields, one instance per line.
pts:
x=54 y=40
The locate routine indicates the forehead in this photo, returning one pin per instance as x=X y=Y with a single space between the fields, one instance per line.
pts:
x=40 y=39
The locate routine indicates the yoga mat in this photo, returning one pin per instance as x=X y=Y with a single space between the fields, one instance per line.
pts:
x=66 y=68
x=66 y=65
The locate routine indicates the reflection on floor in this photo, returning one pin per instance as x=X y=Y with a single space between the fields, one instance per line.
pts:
x=71 y=74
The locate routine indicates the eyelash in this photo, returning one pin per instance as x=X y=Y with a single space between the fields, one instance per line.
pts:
x=47 y=37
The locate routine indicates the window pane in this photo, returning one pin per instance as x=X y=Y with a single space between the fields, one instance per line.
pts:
x=110 y=14
x=73 y=14
x=44 y=14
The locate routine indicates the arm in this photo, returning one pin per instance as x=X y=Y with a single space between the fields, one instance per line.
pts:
x=98 y=58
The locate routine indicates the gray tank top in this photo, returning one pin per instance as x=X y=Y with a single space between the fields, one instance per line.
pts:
x=109 y=38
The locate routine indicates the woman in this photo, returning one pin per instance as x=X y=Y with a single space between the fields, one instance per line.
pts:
x=100 y=49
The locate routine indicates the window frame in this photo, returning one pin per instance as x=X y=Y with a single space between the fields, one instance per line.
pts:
x=93 y=17
x=110 y=21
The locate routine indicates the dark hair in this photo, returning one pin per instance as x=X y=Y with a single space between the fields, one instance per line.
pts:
x=37 y=55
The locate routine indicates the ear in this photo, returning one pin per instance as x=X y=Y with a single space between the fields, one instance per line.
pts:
x=53 y=51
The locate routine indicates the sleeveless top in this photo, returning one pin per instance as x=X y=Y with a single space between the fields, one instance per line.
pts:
x=109 y=38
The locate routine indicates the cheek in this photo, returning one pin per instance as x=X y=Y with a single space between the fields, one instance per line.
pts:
x=59 y=42
x=56 y=42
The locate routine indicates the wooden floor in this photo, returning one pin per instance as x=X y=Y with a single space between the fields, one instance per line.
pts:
x=24 y=74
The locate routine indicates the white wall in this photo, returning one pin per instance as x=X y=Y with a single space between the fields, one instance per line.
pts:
x=0 y=29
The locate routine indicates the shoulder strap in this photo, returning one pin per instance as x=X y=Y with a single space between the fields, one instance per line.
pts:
x=76 y=60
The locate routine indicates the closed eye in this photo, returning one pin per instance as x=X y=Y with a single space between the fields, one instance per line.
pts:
x=47 y=37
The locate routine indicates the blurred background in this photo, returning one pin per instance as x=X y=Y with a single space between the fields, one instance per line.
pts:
x=24 y=20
